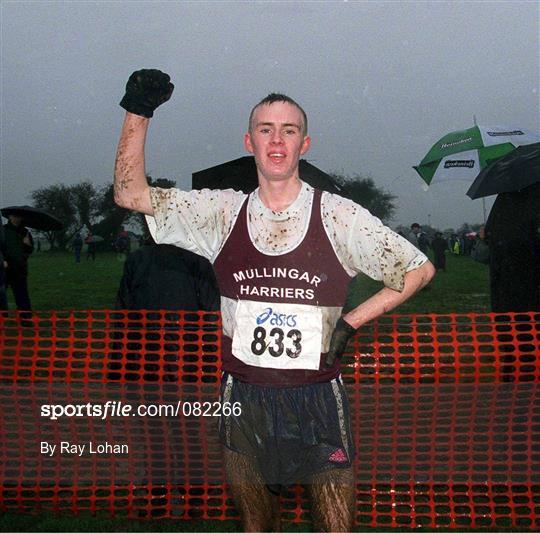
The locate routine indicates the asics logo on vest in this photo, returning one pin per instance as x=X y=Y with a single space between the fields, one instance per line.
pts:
x=276 y=319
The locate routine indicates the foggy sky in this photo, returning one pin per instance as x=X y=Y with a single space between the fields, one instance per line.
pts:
x=380 y=81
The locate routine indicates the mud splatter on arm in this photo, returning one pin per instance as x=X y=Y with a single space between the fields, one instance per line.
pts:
x=130 y=186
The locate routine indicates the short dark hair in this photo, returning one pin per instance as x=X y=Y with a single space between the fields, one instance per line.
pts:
x=278 y=97
x=415 y=225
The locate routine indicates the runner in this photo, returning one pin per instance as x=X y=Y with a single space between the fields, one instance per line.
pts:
x=283 y=256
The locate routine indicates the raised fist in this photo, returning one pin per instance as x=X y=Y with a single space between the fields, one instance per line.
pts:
x=340 y=337
x=146 y=90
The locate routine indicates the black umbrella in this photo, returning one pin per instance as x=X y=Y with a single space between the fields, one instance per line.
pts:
x=241 y=175
x=513 y=172
x=34 y=217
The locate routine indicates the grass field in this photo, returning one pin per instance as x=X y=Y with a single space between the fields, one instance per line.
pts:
x=56 y=282
x=88 y=523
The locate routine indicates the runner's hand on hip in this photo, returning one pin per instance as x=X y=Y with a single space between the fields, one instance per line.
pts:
x=340 y=337
x=146 y=89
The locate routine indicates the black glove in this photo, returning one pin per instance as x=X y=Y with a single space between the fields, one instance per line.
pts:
x=145 y=91
x=340 y=337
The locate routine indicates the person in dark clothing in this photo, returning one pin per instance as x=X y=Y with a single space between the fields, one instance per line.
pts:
x=418 y=238
x=19 y=246
x=163 y=276
x=3 y=296
x=91 y=246
x=77 y=246
x=480 y=251
x=122 y=243
x=513 y=230
x=439 y=246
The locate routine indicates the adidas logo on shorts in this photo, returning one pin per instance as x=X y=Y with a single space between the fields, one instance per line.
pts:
x=338 y=456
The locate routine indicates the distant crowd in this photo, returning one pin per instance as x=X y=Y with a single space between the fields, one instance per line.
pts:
x=470 y=243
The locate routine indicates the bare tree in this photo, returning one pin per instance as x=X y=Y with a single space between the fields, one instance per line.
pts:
x=75 y=205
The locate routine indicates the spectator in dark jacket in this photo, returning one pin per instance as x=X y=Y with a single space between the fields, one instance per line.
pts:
x=90 y=246
x=513 y=228
x=161 y=277
x=418 y=238
x=19 y=246
x=77 y=246
x=122 y=243
x=439 y=246
x=480 y=251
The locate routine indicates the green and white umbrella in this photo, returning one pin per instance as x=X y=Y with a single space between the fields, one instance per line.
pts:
x=463 y=154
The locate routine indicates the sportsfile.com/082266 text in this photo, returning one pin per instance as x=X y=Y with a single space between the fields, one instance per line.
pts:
x=119 y=409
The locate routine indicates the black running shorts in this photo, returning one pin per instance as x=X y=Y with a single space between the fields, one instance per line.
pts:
x=293 y=432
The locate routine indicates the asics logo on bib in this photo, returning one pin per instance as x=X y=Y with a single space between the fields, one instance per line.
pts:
x=276 y=319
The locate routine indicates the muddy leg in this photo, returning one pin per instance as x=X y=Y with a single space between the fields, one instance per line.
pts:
x=332 y=497
x=258 y=507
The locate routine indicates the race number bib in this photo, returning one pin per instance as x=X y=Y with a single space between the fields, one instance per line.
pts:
x=286 y=336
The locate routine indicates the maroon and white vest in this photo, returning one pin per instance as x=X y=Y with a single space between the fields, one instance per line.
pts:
x=278 y=333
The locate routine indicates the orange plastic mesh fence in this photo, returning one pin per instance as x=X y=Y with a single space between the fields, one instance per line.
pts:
x=445 y=413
